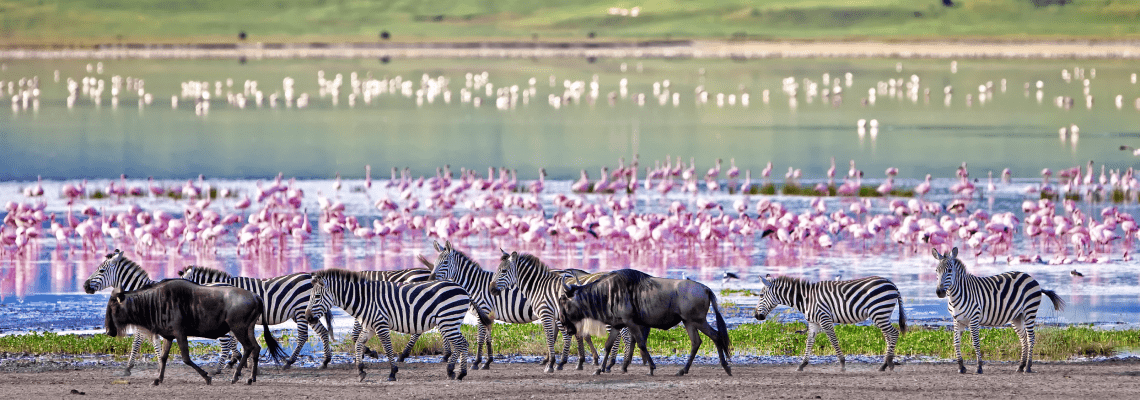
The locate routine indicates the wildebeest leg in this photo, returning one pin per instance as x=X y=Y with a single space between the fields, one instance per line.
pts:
x=608 y=348
x=813 y=329
x=720 y=352
x=695 y=340
x=407 y=349
x=639 y=336
x=162 y=361
x=184 y=348
x=386 y=339
x=593 y=350
x=249 y=347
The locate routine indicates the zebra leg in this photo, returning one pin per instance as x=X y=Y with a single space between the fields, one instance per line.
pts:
x=302 y=338
x=813 y=329
x=224 y=343
x=695 y=340
x=356 y=329
x=829 y=329
x=891 y=335
x=135 y=347
x=359 y=351
x=548 y=326
x=407 y=349
x=976 y=335
x=455 y=341
x=1030 y=340
x=232 y=353
x=566 y=349
x=1019 y=329
x=326 y=339
x=386 y=339
x=958 y=327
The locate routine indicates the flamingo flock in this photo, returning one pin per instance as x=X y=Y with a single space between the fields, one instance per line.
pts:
x=1076 y=221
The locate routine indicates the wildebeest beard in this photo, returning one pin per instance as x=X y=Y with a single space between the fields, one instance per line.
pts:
x=120 y=306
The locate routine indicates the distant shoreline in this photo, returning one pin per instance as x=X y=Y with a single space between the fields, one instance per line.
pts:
x=663 y=49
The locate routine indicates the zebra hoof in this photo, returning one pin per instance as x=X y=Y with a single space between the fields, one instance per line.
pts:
x=391 y=379
x=461 y=375
x=681 y=373
x=598 y=371
x=287 y=366
x=156 y=382
x=249 y=382
x=486 y=366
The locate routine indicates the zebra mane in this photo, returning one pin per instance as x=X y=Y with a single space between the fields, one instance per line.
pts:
x=338 y=273
x=791 y=281
x=531 y=261
x=464 y=260
x=127 y=264
x=211 y=272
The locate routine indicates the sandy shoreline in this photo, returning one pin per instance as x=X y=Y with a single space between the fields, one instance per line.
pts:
x=644 y=49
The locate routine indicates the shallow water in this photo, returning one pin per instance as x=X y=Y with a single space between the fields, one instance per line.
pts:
x=235 y=147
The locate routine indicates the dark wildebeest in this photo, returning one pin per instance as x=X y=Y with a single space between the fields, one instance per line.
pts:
x=177 y=308
x=632 y=299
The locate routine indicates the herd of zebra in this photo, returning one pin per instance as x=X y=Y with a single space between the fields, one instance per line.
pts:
x=524 y=290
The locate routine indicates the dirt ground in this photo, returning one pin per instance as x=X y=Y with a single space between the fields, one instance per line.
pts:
x=427 y=381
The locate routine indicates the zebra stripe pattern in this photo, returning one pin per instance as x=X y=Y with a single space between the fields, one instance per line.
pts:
x=1009 y=298
x=541 y=286
x=407 y=308
x=285 y=299
x=122 y=274
x=825 y=304
x=411 y=275
x=509 y=306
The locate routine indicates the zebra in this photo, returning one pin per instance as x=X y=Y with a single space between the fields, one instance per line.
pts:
x=542 y=285
x=411 y=275
x=285 y=299
x=120 y=273
x=827 y=303
x=1009 y=298
x=401 y=307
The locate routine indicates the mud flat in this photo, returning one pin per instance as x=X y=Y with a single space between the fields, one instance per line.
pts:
x=1110 y=379
x=630 y=49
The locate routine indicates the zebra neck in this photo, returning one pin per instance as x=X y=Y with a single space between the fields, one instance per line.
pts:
x=795 y=295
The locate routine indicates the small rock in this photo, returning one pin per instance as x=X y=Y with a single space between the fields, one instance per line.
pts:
x=120 y=382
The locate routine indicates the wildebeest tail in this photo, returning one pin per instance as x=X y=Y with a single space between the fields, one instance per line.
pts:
x=902 y=317
x=721 y=329
x=271 y=344
x=1058 y=303
x=484 y=319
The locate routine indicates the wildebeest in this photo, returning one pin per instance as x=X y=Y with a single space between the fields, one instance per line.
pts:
x=177 y=308
x=632 y=299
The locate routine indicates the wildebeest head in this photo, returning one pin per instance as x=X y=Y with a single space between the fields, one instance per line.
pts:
x=106 y=275
x=507 y=273
x=578 y=306
x=766 y=300
x=116 y=310
x=570 y=308
x=949 y=267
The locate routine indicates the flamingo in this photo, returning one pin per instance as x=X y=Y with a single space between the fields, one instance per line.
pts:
x=923 y=187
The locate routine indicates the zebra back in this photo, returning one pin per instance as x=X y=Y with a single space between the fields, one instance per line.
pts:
x=844 y=302
x=405 y=307
x=119 y=272
x=404 y=275
x=996 y=300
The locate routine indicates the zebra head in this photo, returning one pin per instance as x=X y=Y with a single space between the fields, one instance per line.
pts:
x=506 y=275
x=948 y=270
x=446 y=265
x=106 y=275
x=767 y=300
x=317 y=294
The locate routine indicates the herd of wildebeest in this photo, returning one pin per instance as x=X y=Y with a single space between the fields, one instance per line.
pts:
x=625 y=304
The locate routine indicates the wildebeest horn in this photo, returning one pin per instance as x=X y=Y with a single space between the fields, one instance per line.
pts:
x=764 y=280
x=565 y=287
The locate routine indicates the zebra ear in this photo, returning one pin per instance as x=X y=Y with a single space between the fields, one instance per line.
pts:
x=505 y=255
x=934 y=251
x=954 y=253
x=436 y=244
x=765 y=280
x=448 y=244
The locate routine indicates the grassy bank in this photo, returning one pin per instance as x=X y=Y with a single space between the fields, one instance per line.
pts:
x=150 y=21
x=751 y=339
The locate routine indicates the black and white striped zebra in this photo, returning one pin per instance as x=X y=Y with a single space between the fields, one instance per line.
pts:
x=286 y=298
x=119 y=272
x=827 y=303
x=1009 y=298
x=509 y=306
x=411 y=275
x=541 y=286
x=401 y=307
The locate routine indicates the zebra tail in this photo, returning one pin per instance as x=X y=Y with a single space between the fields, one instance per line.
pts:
x=902 y=318
x=484 y=319
x=1058 y=302
x=721 y=329
x=275 y=349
